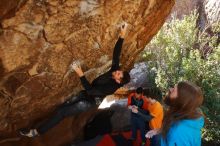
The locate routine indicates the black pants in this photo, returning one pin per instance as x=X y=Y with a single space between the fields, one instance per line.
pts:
x=79 y=105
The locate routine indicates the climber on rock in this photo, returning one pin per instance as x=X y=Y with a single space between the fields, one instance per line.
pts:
x=102 y=86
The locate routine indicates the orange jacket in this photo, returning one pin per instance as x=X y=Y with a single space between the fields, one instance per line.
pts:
x=156 y=110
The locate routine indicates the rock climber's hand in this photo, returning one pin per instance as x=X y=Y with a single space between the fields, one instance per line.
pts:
x=77 y=69
x=123 y=30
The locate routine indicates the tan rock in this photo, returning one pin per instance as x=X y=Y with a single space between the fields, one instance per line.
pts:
x=43 y=37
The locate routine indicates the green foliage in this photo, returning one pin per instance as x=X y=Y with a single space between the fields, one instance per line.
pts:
x=181 y=52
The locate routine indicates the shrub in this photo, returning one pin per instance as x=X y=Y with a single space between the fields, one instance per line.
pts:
x=182 y=52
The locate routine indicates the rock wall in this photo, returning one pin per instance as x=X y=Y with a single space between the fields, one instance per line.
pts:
x=42 y=37
x=9 y=7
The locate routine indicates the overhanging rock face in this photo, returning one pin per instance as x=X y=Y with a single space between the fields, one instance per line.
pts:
x=43 y=37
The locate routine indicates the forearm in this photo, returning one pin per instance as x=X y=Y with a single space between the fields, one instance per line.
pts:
x=122 y=35
x=117 y=48
x=79 y=72
x=85 y=83
x=117 y=53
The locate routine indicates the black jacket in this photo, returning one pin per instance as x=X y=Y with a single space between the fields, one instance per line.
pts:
x=104 y=84
x=137 y=102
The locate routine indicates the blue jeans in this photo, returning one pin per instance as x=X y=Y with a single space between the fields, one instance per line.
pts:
x=137 y=122
x=155 y=140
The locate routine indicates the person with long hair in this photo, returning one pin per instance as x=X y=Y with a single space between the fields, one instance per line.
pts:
x=183 y=119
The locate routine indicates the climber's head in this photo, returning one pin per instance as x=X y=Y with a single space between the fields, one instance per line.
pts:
x=121 y=77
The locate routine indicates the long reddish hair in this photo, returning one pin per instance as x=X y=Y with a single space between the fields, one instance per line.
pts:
x=185 y=106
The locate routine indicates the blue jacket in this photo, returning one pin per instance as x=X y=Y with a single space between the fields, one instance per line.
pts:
x=185 y=133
